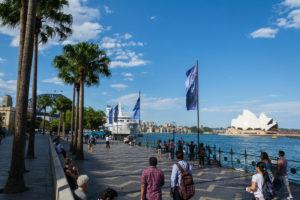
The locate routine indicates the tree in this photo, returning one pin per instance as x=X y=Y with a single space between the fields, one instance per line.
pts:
x=62 y=104
x=69 y=74
x=15 y=182
x=93 y=118
x=50 y=22
x=91 y=63
x=44 y=102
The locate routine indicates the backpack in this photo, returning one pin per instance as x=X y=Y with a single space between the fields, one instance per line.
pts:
x=186 y=188
x=277 y=184
x=268 y=190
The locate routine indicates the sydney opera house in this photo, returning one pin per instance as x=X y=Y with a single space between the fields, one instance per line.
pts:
x=248 y=123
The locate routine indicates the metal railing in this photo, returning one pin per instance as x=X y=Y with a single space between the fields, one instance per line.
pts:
x=242 y=161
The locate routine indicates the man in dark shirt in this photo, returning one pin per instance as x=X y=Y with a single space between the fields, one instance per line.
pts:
x=192 y=152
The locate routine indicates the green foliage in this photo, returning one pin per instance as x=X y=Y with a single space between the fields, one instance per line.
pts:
x=202 y=129
x=53 y=125
x=61 y=104
x=45 y=101
x=93 y=118
x=47 y=124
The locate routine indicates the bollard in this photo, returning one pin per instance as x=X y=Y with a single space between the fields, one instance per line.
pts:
x=246 y=167
x=220 y=164
x=215 y=153
x=231 y=159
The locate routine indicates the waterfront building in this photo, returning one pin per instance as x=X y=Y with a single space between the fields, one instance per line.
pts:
x=7 y=113
x=248 y=123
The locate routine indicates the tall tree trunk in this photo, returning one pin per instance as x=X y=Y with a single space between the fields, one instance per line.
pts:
x=23 y=19
x=59 y=124
x=72 y=119
x=64 y=125
x=15 y=182
x=44 y=120
x=79 y=152
x=76 y=122
x=30 y=150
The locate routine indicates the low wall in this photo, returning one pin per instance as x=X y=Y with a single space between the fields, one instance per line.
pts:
x=62 y=190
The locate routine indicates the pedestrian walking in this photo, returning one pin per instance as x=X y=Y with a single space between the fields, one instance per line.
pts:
x=159 y=148
x=107 y=141
x=91 y=143
x=171 y=149
x=152 y=181
x=259 y=182
x=282 y=172
x=201 y=154
x=80 y=192
x=265 y=158
x=181 y=169
x=192 y=151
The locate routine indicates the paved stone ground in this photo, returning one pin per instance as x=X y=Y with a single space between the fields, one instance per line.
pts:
x=121 y=167
x=38 y=179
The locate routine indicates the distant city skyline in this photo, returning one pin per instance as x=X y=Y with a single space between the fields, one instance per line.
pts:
x=248 y=54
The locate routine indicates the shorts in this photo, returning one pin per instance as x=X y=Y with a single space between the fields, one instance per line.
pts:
x=158 y=149
x=284 y=180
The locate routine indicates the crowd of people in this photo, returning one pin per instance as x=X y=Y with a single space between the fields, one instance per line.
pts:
x=79 y=183
x=269 y=178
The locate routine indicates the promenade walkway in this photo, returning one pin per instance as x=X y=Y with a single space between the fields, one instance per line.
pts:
x=38 y=180
x=121 y=167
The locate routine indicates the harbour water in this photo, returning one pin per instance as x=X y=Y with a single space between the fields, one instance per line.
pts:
x=253 y=145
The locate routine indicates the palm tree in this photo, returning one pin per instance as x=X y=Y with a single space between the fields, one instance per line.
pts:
x=91 y=63
x=48 y=13
x=44 y=102
x=15 y=182
x=62 y=104
x=69 y=74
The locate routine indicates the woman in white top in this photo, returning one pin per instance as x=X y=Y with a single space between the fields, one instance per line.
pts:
x=258 y=181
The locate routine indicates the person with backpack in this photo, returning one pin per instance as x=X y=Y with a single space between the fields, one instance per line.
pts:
x=182 y=184
x=261 y=186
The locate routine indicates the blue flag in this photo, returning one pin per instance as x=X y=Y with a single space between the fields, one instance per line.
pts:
x=191 y=88
x=110 y=116
x=136 y=109
x=116 y=113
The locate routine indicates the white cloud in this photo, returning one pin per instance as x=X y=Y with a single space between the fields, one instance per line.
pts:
x=2 y=74
x=85 y=25
x=54 y=80
x=128 y=79
x=8 y=86
x=2 y=60
x=127 y=36
x=152 y=103
x=289 y=108
x=291 y=21
x=108 y=10
x=117 y=48
x=104 y=93
x=134 y=61
x=126 y=74
x=119 y=86
x=153 y=17
x=264 y=33
x=145 y=72
x=291 y=3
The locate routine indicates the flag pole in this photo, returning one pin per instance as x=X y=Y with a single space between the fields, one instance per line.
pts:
x=140 y=112
x=198 y=104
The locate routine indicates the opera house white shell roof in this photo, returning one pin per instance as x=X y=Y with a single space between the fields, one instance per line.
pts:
x=248 y=120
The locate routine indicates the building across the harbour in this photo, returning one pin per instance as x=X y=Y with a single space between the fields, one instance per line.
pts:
x=248 y=123
x=7 y=113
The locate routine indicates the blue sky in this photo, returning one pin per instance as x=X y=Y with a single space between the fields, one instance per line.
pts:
x=248 y=54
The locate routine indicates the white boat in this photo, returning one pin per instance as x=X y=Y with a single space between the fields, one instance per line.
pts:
x=125 y=125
